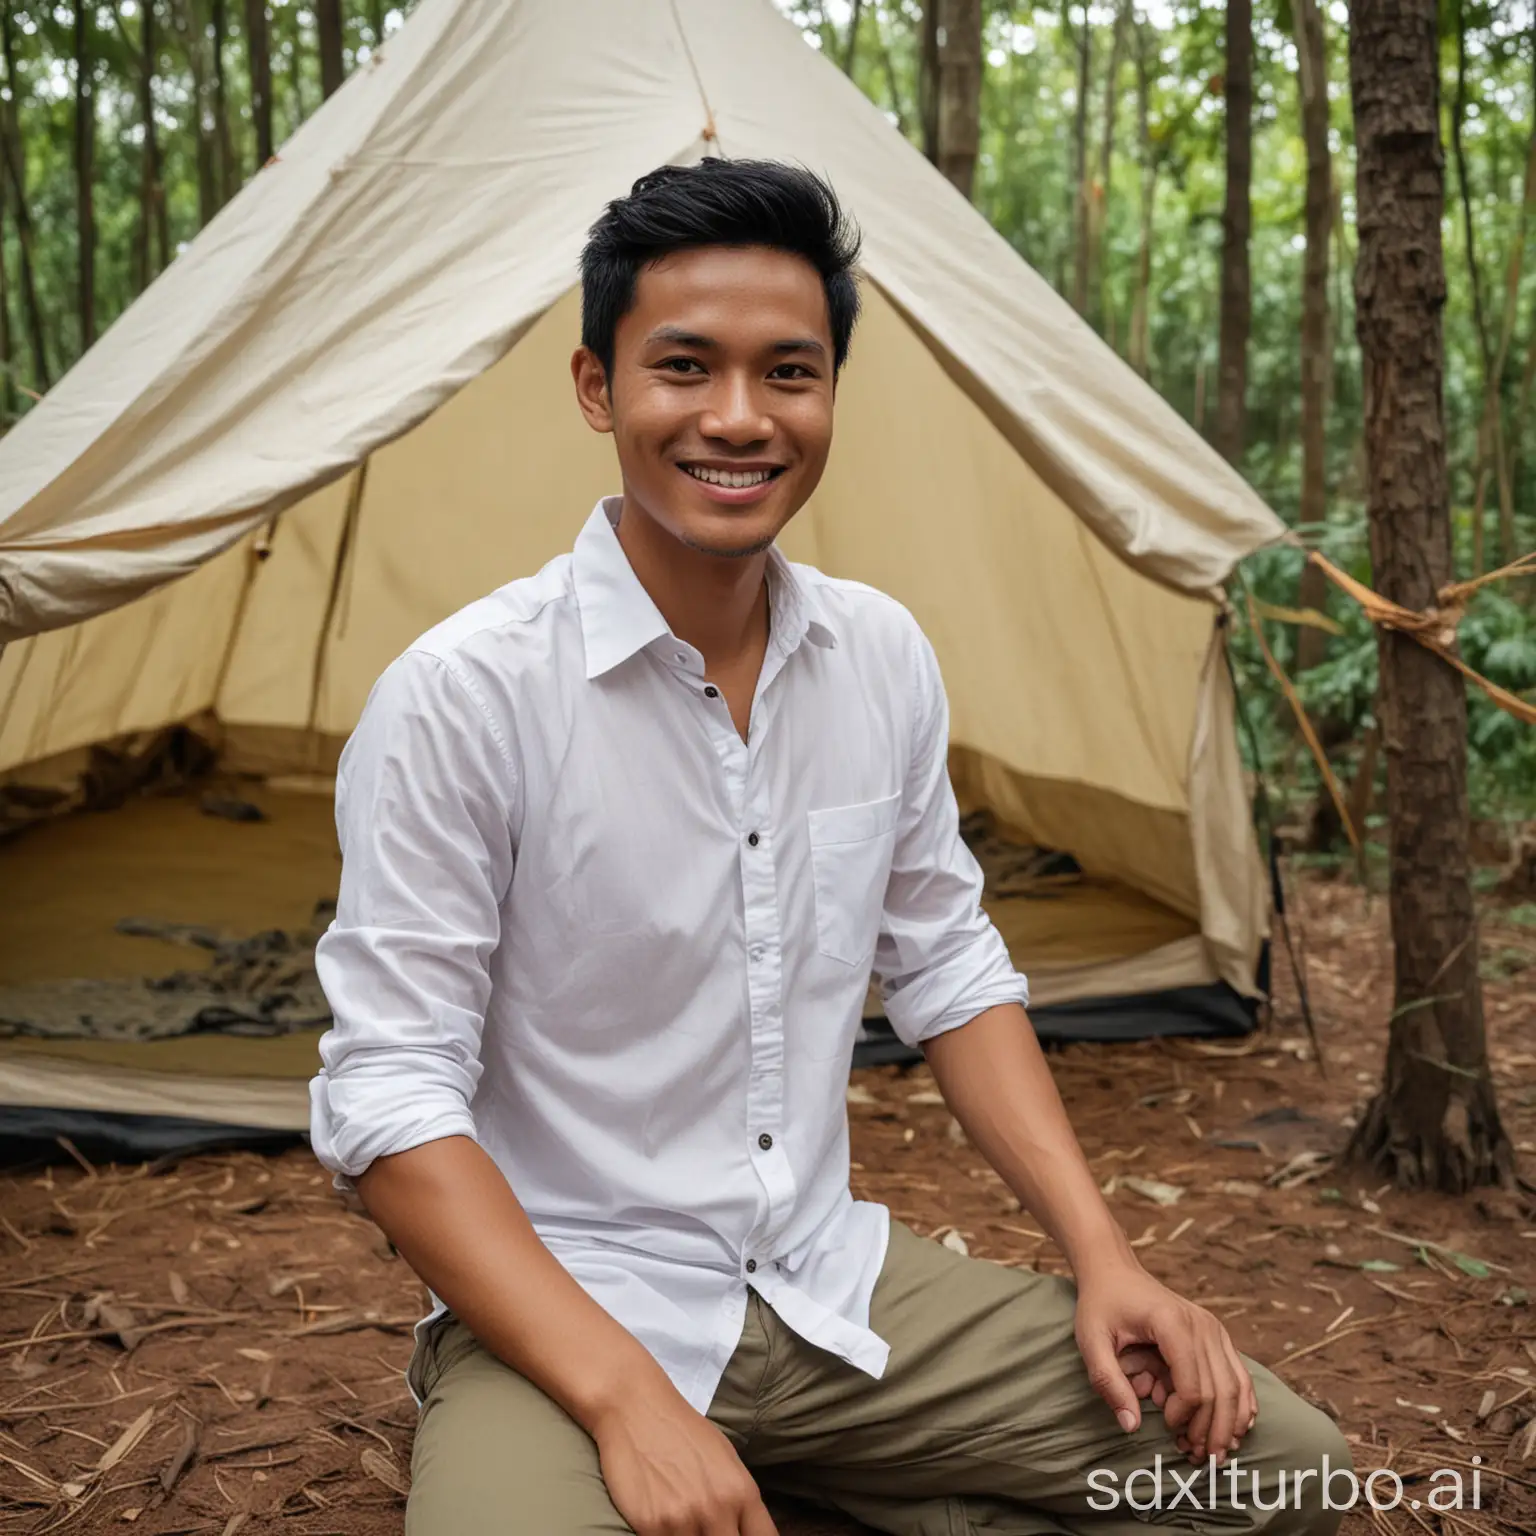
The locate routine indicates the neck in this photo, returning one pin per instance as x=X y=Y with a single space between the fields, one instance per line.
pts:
x=717 y=603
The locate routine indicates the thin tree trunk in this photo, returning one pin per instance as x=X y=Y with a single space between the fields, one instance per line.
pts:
x=296 y=67
x=889 y=66
x=7 y=377
x=332 y=63
x=1236 y=220
x=1098 y=274
x=1082 y=42
x=16 y=174
x=1316 y=352
x=259 y=60
x=376 y=14
x=852 y=48
x=1435 y=1123
x=1475 y=283
x=231 y=173
x=186 y=18
x=1138 y=345
x=154 y=230
x=85 y=173
x=959 y=90
x=928 y=79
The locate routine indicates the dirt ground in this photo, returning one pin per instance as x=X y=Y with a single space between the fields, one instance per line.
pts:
x=217 y=1345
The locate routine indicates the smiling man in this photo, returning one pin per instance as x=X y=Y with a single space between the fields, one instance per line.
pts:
x=623 y=843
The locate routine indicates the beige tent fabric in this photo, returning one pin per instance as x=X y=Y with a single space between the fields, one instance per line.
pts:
x=345 y=411
x=435 y=207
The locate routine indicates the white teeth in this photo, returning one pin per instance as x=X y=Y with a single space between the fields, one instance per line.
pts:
x=733 y=479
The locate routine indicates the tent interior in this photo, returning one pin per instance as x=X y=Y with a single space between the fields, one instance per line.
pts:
x=1091 y=717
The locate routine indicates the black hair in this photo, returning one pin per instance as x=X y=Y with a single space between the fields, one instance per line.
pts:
x=717 y=202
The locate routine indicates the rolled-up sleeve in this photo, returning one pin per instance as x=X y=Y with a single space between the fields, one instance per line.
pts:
x=425 y=798
x=940 y=960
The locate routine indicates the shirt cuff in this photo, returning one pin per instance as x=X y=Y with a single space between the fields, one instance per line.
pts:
x=353 y=1121
x=954 y=990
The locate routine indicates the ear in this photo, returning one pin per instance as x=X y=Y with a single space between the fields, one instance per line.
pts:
x=592 y=389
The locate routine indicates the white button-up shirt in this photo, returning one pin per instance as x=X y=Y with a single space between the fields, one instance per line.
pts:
x=584 y=923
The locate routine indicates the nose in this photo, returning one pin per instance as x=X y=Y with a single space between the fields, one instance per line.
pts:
x=734 y=413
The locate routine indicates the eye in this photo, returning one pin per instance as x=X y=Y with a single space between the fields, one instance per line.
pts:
x=681 y=366
x=792 y=371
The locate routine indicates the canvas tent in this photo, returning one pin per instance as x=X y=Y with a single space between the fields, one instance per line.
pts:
x=344 y=411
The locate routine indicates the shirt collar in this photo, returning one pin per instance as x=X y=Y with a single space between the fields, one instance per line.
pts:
x=618 y=617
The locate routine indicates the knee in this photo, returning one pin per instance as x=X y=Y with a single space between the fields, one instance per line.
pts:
x=1309 y=1468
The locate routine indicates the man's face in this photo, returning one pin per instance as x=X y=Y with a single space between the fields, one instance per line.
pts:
x=720 y=402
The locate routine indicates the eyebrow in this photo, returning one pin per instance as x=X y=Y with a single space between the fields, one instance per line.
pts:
x=676 y=335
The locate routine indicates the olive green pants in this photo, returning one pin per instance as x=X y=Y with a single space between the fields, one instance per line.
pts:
x=983 y=1422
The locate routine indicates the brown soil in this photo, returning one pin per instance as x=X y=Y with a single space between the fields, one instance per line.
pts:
x=253 y=1383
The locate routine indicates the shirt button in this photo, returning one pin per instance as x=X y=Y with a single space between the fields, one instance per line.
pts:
x=755 y=953
x=711 y=692
x=752 y=839
x=765 y=1141
x=751 y=1266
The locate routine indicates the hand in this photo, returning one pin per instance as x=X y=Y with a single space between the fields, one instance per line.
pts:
x=1140 y=1340
x=670 y=1472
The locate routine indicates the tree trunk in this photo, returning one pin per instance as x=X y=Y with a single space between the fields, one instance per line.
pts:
x=959 y=90
x=852 y=48
x=1138 y=345
x=332 y=67
x=230 y=171
x=154 y=229
x=259 y=58
x=376 y=14
x=16 y=174
x=186 y=18
x=928 y=79
x=295 y=54
x=1435 y=1123
x=1083 y=44
x=888 y=65
x=85 y=172
x=1098 y=275
x=1236 y=220
x=1316 y=351
x=7 y=377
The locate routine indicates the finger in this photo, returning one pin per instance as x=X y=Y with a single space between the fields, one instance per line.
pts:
x=1228 y=1393
x=1199 y=1426
x=1109 y=1380
x=756 y=1521
x=1176 y=1342
x=1248 y=1398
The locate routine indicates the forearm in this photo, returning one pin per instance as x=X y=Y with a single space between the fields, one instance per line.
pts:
x=994 y=1077
x=446 y=1206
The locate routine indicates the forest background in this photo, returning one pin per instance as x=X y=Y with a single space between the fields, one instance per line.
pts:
x=1096 y=140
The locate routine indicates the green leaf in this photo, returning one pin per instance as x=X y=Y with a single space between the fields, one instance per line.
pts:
x=1380 y=1266
x=1470 y=1266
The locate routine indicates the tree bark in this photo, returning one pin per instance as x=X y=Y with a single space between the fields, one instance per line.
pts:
x=231 y=173
x=1082 y=42
x=852 y=47
x=85 y=172
x=1316 y=348
x=154 y=228
x=376 y=15
x=1099 y=208
x=1236 y=221
x=959 y=90
x=7 y=377
x=259 y=59
x=1138 y=347
x=16 y=174
x=295 y=54
x=186 y=18
x=332 y=65
x=928 y=79
x=1435 y=1123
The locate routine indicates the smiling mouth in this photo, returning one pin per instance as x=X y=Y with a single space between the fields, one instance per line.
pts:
x=732 y=479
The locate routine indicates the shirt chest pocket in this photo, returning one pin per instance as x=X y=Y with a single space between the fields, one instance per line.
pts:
x=851 y=851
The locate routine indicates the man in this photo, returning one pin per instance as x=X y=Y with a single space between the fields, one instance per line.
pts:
x=622 y=845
